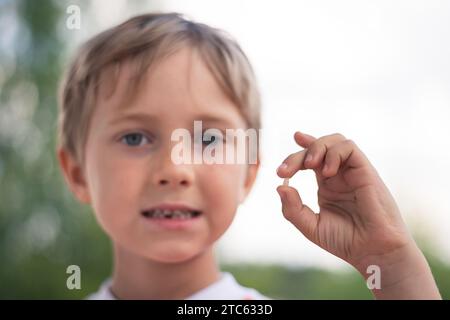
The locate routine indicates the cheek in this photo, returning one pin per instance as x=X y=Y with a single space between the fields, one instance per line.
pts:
x=222 y=187
x=114 y=187
x=227 y=179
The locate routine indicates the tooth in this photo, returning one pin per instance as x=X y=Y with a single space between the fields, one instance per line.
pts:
x=177 y=214
x=158 y=214
x=170 y=214
x=180 y=214
x=167 y=213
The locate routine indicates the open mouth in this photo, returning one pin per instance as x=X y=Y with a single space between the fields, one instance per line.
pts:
x=171 y=214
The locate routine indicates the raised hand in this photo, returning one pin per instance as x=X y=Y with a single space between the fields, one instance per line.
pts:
x=358 y=220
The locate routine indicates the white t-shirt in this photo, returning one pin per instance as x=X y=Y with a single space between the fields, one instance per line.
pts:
x=226 y=288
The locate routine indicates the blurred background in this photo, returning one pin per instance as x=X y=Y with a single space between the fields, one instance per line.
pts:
x=376 y=71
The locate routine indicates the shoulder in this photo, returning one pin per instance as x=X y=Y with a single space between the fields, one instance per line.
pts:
x=103 y=293
x=227 y=288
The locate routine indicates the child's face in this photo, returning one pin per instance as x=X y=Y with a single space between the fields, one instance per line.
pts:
x=123 y=175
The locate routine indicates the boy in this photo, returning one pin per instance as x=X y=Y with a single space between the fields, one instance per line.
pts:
x=128 y=90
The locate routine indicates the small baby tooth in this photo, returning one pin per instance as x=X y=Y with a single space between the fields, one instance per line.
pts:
x=286 y=182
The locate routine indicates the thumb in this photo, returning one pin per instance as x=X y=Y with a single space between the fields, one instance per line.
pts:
x=300 y=215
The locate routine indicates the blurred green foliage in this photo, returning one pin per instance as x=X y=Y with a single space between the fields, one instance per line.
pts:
x=42 y=228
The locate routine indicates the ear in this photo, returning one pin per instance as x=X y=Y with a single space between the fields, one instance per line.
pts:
x=252 y=171
x=73 y=175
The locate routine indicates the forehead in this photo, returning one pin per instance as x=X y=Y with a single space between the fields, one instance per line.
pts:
x=180 y=85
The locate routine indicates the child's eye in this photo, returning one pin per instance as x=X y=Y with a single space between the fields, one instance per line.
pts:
x=211 y=139
x=134 y=139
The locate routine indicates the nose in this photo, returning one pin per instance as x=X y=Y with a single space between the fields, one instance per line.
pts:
x=169 y=174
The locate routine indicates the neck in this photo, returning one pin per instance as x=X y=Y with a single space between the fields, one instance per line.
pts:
x=136 y=277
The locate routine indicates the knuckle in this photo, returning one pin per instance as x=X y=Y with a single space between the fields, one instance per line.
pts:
x=313 y=146
x=318 y=148
x=286 y=214
x=350 y=142
x=334 y=148
x=339 y=135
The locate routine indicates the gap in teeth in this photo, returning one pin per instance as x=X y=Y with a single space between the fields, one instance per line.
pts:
x=170 y=214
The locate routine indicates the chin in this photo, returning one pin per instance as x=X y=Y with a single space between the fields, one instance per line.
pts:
x=174 y=253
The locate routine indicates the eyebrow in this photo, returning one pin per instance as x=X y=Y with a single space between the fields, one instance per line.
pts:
x=134 y=117
x=148 y=118
x=216 y=119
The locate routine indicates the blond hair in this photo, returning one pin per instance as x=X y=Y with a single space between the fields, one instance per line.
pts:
x=143 y=40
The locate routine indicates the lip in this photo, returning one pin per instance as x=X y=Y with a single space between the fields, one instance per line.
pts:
x=172 y=224
x=172 y=206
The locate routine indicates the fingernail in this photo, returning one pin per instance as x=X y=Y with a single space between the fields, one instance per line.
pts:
x=308 y=158
x=282 y=166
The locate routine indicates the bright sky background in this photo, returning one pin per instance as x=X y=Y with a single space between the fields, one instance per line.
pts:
x=376 y=71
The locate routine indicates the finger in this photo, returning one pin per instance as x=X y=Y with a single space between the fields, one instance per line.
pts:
x=335 y=157
x=300 y=215
x=303 y=139
x=345 y=152
x=292 y=164
x=318 y=149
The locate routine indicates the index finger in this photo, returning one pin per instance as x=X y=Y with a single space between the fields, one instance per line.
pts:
x=303 y=140
x=292 y=164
